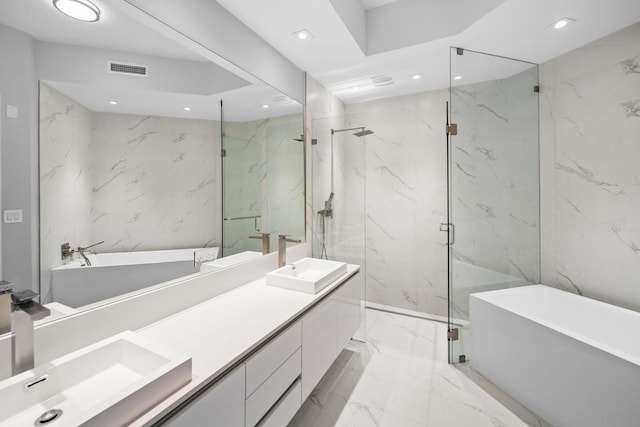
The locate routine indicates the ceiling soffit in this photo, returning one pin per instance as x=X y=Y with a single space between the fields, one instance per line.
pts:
x=407 y=23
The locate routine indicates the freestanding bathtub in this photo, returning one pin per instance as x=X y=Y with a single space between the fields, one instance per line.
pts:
x=572 y=360
x=112 y=274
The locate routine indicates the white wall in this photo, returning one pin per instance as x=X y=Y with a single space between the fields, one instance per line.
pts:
x=590 y=175
x=19 y=179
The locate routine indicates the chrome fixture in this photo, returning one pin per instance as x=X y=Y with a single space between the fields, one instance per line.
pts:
x=282 y=248
x=253 y=217
x=265 y=242
x=65 y=251
x=328 y=207
x=82 y=250
x=82 y=10
x=362 y=131
x=18 y=311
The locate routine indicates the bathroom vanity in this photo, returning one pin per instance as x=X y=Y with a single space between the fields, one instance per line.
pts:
x=257 y=352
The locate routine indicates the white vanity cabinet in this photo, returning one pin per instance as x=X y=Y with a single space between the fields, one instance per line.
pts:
x=348 y=300
x=221 y=405
x=326 y=329
x=269 y=386
x=273 y=375
x=319 y=343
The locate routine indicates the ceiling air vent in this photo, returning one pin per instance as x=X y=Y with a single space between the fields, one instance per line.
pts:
x=128 y=69
x=379 y=81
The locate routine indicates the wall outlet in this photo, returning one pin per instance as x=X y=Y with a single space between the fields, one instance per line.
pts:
x=12 y=216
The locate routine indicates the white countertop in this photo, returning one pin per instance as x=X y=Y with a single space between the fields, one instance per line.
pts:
x=220 y=332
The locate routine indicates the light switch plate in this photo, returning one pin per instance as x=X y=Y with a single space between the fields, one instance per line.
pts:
x=12 y=216
x=12 y=111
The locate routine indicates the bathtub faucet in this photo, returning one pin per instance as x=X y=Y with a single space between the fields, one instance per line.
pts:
x=82 y=250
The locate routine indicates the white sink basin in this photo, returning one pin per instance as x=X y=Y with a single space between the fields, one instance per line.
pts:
x=108 y=383
x=228 y=261
x=309 y=275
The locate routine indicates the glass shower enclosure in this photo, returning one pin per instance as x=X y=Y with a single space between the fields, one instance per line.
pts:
x=338 y=196
x=493 y=218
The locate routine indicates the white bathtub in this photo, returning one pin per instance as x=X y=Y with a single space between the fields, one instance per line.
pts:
x=470 y=278
x=113 y=274
x=572 y=360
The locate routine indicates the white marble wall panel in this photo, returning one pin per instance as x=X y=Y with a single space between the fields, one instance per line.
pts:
x=156 y=182
x=136 y=182
x=405 y=182
x=406 y=201
x=264 y=175
x=495 y=183
x=65 y=178
x=590 y=122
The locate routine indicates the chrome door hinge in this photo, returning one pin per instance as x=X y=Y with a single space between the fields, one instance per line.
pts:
x=452 y=334
x=223 y=153
x=452 y=129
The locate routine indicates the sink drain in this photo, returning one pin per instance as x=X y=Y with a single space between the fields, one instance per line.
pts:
x=47 y=417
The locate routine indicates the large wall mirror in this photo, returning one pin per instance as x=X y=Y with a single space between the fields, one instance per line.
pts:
x=159 y=157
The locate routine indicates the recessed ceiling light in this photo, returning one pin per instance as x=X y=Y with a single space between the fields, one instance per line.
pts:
x=265 y=106
x=417 y=76
x=302 y=34
x=113 y=102
x=561 y=23
x=457 y=77
x=356 y=88
x=187 y=108
x=82 y=10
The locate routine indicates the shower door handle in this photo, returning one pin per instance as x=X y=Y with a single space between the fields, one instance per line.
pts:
x=451 y=229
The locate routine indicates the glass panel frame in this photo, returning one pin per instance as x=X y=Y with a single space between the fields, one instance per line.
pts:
x=493 y=182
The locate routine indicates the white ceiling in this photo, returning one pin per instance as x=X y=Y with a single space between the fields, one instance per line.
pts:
x=516 y=28
x=118 y=31
x=512 y=28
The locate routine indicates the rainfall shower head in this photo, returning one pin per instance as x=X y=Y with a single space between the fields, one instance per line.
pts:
x=363 y=132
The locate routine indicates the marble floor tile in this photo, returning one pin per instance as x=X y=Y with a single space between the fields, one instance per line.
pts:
x=400 y=377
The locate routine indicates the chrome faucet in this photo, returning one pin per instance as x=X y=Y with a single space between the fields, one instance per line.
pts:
x=282 y=248
x=82 y=250
x=265 y=242
x=21 y=311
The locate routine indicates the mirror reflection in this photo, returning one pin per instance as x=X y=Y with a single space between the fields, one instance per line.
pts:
x=130 y=200
x=144 y=149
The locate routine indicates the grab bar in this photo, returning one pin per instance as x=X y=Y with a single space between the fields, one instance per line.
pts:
x=243 y=217
x=254 y=217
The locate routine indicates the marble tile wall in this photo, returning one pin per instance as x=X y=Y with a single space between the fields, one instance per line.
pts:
x=155 y=182
x=398 y=174
x=66 y=182
x=136 y=182
x=264 y=175
x=495 y=175
x=590 y=179
x=406 y=256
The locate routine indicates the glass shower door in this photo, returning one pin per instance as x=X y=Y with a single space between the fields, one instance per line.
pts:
x=243 y=173
x=493 y=183
x=338 y=196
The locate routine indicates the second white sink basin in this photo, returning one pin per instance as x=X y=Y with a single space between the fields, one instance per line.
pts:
x=109 y=383
x=308 y=275
x=228 y=261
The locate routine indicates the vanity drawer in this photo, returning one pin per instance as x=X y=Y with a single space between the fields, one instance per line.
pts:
x=272 y=356
x=284 y=411
x=269 y=392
